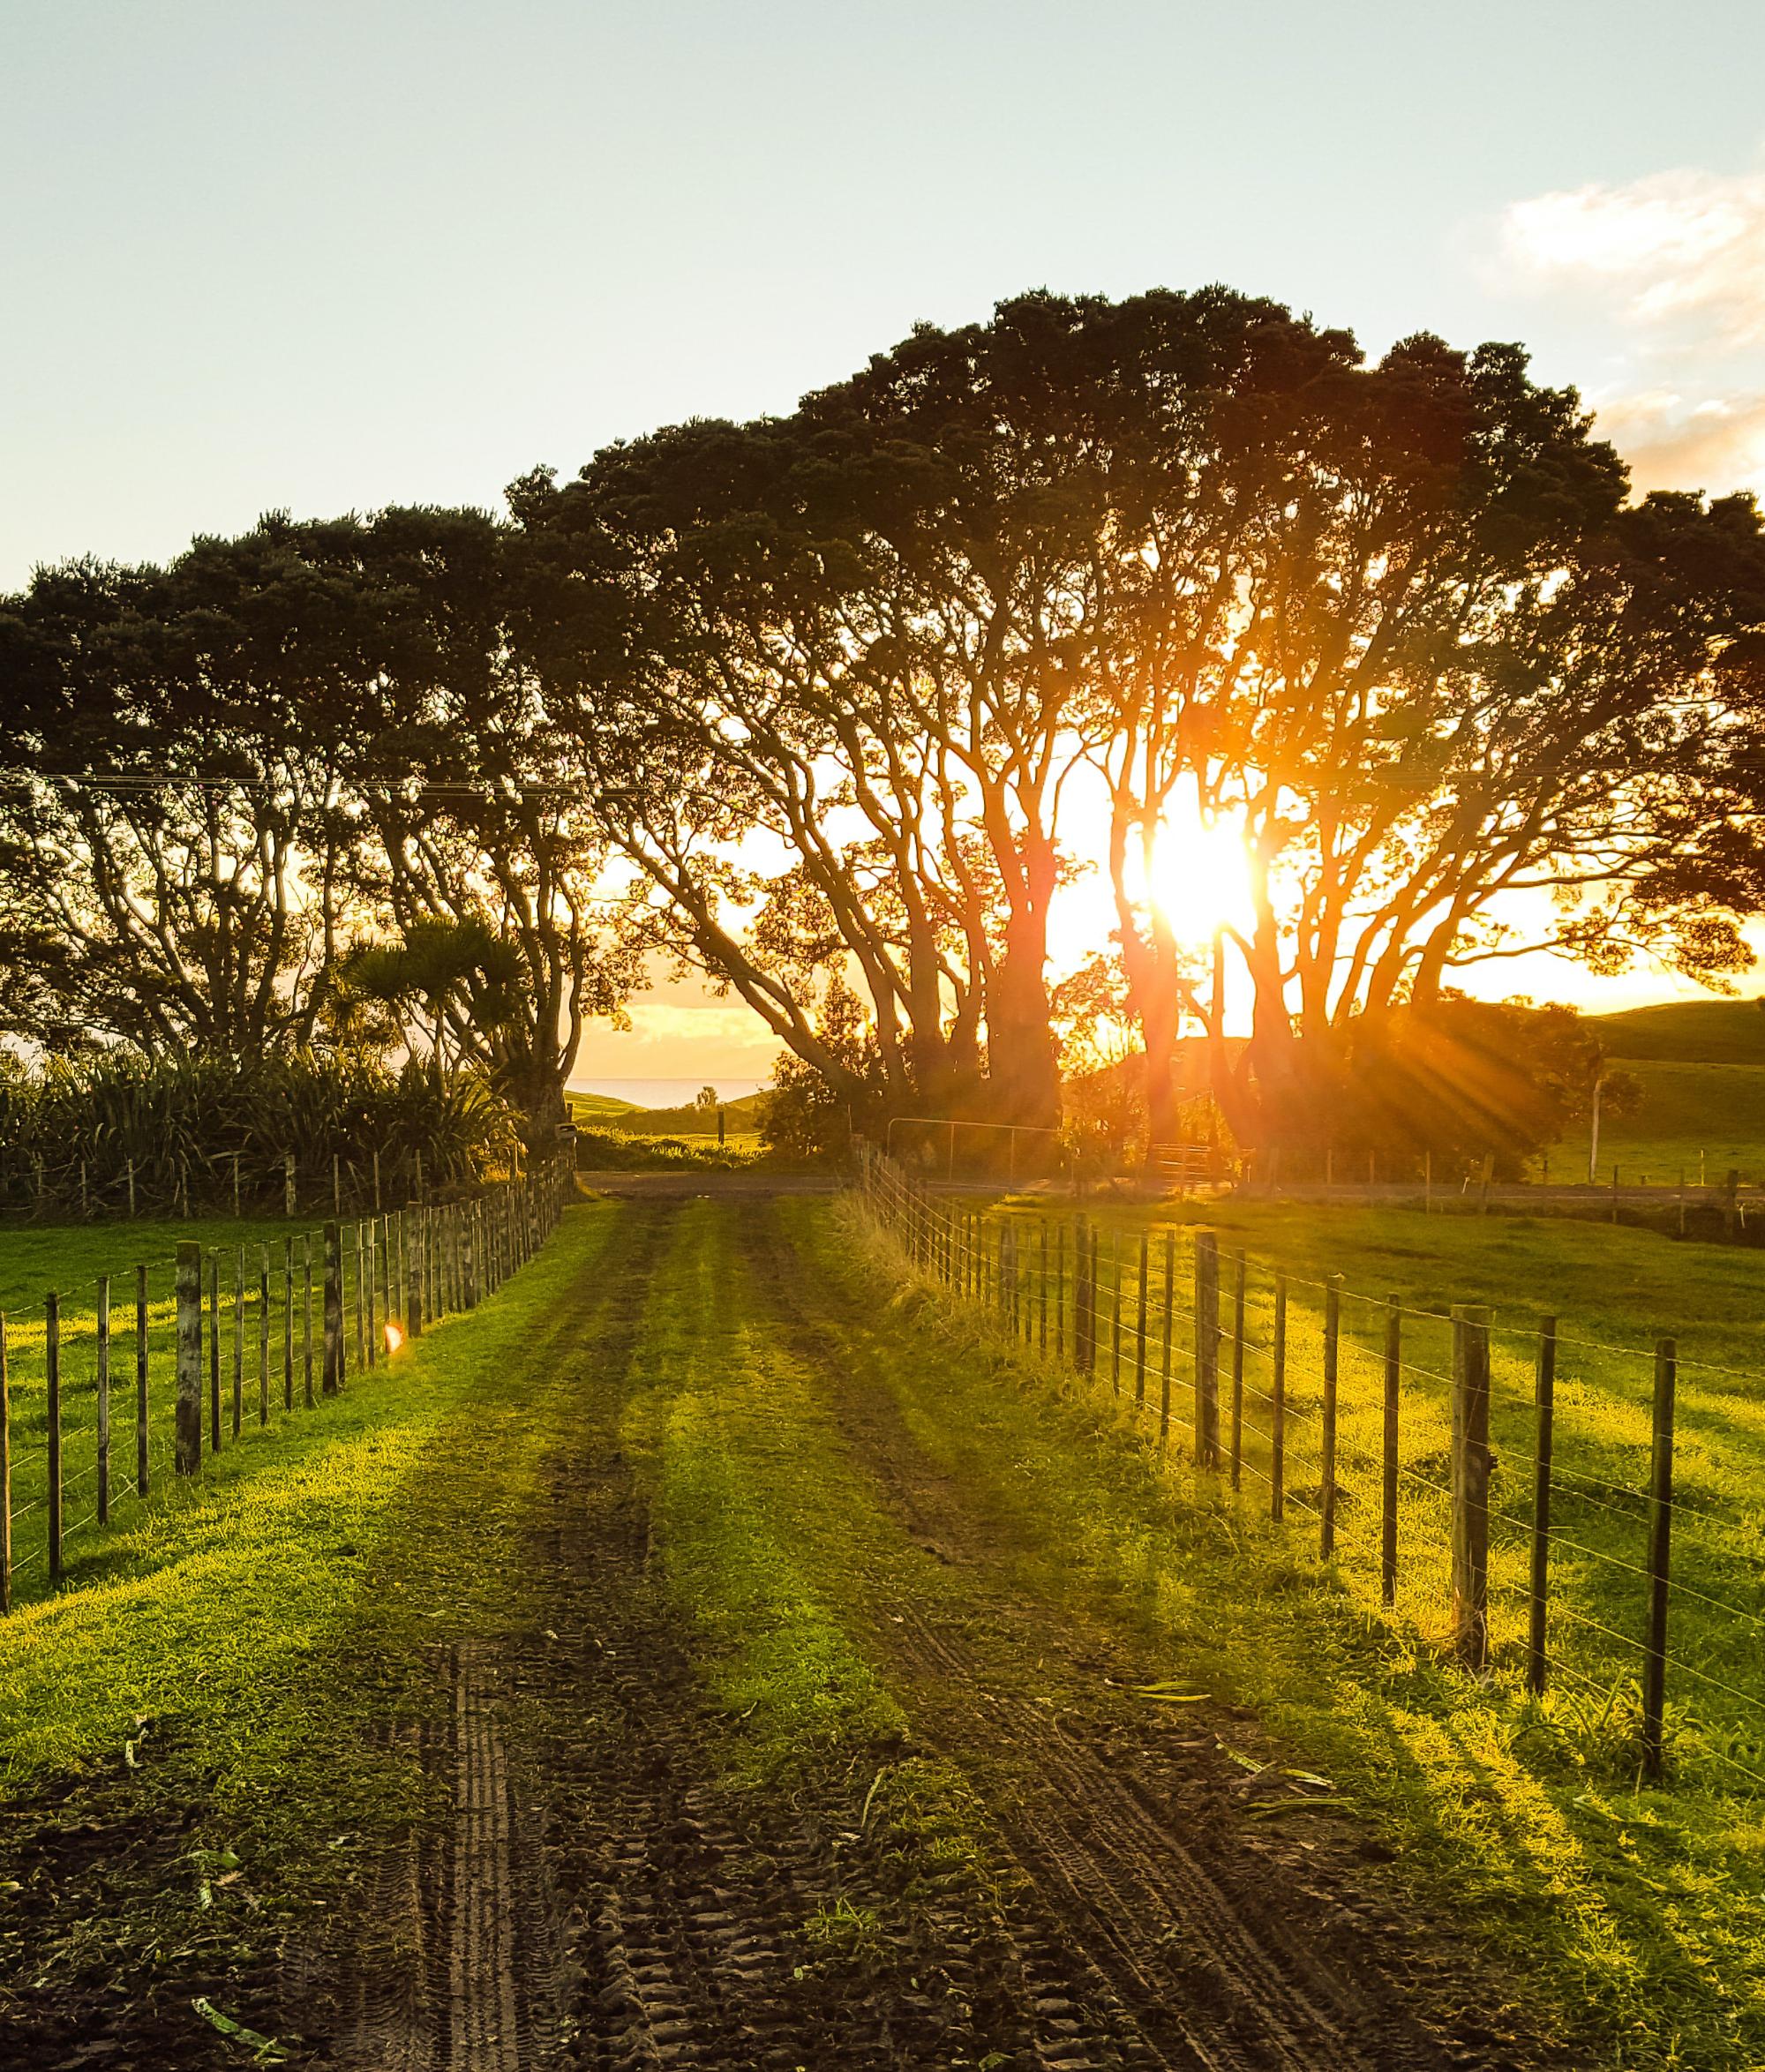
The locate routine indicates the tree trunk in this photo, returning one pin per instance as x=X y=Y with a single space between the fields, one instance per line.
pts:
x=1023 y=1068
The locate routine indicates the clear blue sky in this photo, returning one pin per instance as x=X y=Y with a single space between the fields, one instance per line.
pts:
x=328 y=256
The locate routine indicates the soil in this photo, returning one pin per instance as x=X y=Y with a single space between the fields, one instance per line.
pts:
x=604 y=1893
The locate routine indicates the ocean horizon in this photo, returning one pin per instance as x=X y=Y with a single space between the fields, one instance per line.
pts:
x=667 y=1094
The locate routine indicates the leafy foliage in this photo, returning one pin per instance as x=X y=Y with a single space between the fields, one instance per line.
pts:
x=70 y=1133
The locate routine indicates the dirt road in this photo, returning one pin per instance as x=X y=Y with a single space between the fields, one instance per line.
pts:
x=804 y=1748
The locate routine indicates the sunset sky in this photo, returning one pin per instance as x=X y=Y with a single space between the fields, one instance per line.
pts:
x=331 y=255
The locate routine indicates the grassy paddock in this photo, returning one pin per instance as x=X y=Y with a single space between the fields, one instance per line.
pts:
x=201 y=1605
x=1612 y=1292
x=70 y=1260
x=1694 y=1118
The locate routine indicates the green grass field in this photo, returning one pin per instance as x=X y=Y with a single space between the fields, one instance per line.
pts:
x=265 y=1626
x=69 y=1259
x=1612 y=1292
x=1696 y=1121
x=1702 y=1065
x=1688 y=1031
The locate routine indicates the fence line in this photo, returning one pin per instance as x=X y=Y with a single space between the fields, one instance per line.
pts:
x=432 y=1260
x=1165 y=1336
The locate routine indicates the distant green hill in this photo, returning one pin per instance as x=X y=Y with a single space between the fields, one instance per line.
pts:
x=1688 y=1031
x=586 y=1107
x=601 y=1111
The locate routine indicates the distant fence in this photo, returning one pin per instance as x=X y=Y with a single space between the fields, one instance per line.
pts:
x=248 y=1181
x=101 y=1407
x=1509 y=1492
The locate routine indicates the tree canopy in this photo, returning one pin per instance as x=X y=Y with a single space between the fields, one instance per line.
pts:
x=833 y=707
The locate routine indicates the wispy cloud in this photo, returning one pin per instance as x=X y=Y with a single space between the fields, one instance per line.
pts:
x=1676 y=250
x=1675 y=264
x=1677 y=441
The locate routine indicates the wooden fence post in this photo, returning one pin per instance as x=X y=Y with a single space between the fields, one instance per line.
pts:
x=189 y=1406
x=367 y=1236
x=238 y=1337
x=1091 y=1303
x=1659 y=1556
x=288 y=1322
x=1239 y=1272
x=214 y=1352
x=1332 y=1340
x=1081 y=1246
x=131 y=1163
x=1470 y=1485
x=52 y=1378
x=235 y=1187
x=336 y=1185
x=377 y=1179
x=413 y=1296
x=1115 y=1316
x=1164 y=1367
x=263 y=1334
x=332 y=1379
x=306 y=1316
x=5 y=1478
x=1207 y=1349
x=1060 y=1291
x=361 y=1301
x=290 y=1201
x=1140 y=1335
x=103 y=1464
x=1731 y=1198
x=1544 y=1397
x=1043 y=1291
x=141 y=1463
x=1278 y=1402
x=1393 y=1376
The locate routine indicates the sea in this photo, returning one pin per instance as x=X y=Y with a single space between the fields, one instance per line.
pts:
x=666 y=1093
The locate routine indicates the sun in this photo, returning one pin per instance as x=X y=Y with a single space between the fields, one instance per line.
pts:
x=1200 y=881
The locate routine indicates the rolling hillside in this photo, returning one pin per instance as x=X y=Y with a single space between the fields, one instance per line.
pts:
x=1689 y=1032
x=1703 y=1067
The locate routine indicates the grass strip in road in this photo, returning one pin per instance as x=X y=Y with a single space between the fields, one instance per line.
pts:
x=761 y=1513
x=1636 y=1916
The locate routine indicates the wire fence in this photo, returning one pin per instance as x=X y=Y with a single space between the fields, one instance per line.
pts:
x=1508 y=1496
x=115 y=1397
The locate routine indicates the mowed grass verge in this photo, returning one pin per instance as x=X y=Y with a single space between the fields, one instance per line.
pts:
x=195 y=1613
x=1634 y=1915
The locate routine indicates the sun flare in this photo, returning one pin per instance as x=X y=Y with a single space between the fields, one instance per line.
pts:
x=1199 y=879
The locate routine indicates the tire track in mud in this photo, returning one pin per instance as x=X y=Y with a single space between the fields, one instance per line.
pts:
x=1137 y=1874
x=460 y=1967
x=688 y=1898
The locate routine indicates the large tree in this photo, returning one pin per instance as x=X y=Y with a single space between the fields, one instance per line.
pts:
x=227 y=776
x=169 y=847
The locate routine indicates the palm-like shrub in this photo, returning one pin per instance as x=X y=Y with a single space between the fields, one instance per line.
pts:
x=71 y=1133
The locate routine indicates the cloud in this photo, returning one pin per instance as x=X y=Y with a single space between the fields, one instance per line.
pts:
x=1673 y=265
x=1680 y=251
x=1673 y=441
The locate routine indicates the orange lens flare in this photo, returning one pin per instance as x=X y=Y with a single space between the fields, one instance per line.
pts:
x=395 y=1338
